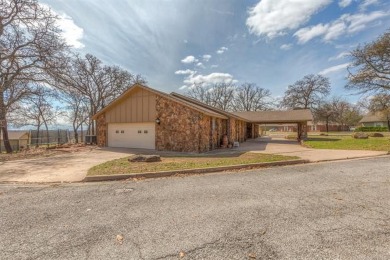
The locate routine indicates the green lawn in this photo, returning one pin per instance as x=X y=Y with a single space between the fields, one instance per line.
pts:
x=348 y=143
x=182 y=162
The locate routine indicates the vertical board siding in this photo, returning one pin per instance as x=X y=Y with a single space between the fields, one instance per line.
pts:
x=138 y=106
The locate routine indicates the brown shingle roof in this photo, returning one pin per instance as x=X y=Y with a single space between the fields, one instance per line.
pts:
x=288 y=116
x=373 y=117
x=170 y=97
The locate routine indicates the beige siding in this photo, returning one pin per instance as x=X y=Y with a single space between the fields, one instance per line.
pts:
x=138 y=106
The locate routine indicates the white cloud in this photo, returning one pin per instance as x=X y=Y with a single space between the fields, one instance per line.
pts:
x=207 y=80
x=70 y=31
x=334 y=69
x=200 y=65
x=206 y=57
x=183 y=87
x=222 y=50
x=185 y=72
x=339 y=56
x=272 y=18
x=189 y=59
x=346 y=24
x=344 y=3
x=366 y=3
x=214 y=66
x=286 y=47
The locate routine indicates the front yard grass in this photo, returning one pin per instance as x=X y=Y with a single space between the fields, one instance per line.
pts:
x=183 y=162
x=343 y=142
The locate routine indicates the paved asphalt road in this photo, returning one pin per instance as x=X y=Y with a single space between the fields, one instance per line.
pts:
x=338 y=210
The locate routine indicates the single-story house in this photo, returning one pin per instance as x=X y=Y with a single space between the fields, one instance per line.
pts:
x=374 y=120
x=18 y=139
x=143 y=117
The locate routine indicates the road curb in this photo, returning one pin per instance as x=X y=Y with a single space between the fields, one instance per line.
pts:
x=191 y=171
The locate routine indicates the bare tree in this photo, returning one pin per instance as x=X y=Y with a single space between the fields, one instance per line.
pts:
x=219 y=95
x=29 y=44
x=250 y=97
x=370 y=68
x=76 y=106
x=222 y=95
x=381 y=104
x=199 y=92
x=99 y=84
x=38 y=110
x=325 y=112
x=306 y=93
x=337 y=110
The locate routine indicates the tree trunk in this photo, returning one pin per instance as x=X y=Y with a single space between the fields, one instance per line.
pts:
x=3 y=124
x=327 y=125
x=388 y=123
x=82 y=134
x=76 y=135
x=47 y=134
x=38 y=138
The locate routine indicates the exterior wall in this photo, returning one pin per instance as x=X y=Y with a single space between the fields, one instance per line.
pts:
x=257 y=131
x=252 y=130
x=374 y=124
x=237 y=130
x=101 y=127
x=181 y=129
x=139 y=106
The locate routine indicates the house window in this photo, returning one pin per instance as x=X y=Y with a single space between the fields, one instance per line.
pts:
x=145 y=131
x=117 y=131
x=140 y=131
x=123 y=131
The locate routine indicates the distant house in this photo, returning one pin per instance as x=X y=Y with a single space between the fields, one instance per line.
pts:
x=18 y=139
x=374 y=120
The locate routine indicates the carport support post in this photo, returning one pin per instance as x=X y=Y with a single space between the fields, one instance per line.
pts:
x=299 y=130
x=302 y=131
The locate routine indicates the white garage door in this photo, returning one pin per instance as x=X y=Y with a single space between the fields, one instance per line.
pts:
x=131 y=135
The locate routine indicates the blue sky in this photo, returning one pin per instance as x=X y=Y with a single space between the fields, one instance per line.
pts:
x=176 y=43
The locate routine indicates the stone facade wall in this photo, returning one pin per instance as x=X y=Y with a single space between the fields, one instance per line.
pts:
x=181 y=128
x=219 y=131
x=101 y=127
x=237 y=131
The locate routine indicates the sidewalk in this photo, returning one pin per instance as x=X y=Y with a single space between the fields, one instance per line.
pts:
x=293 y=148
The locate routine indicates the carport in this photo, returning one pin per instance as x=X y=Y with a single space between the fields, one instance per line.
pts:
x=300 y=117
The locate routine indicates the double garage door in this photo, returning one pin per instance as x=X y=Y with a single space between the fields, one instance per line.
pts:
x=132 y=135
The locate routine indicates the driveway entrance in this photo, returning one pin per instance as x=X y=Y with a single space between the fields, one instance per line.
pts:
x=272 y=145
x=60 y=168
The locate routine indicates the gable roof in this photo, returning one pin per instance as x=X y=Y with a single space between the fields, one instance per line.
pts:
x=288 y=116
x=373 y=117
x=197 y=102
x=15 y=134
x=165 y=95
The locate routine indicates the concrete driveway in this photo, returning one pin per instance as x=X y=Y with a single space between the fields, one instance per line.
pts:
x=272 y=145
x=60 y=168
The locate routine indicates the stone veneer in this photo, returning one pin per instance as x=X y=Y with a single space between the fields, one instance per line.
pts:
x=101 y=127
x=181 y=128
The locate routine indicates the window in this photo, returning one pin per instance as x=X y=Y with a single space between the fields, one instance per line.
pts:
x=117 y=131
x=123 y=131
x=145 y=131
x=140 y=131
